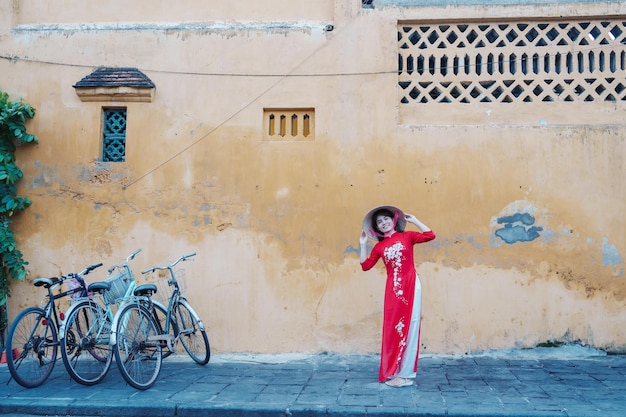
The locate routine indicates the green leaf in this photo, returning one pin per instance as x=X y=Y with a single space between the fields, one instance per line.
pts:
x=13 y=117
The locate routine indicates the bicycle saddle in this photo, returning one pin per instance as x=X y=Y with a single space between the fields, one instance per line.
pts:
x=145 y=289
x=45 y=282
x=99 y=287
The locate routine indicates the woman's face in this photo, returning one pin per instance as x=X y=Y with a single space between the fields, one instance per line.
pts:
x=384 y=223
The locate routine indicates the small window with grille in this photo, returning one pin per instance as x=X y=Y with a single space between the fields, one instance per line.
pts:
x=114 y=135
x=289 y=124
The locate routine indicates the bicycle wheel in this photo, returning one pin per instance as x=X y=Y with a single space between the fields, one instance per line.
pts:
x=138 y=350
x=160 y=317
x=85 y=344
x=33 y=340
x=192 y=336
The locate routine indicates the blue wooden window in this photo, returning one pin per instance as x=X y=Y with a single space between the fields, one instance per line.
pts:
x=114 y=135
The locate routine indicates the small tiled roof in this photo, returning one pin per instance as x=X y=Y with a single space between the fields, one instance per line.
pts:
x=116 y=77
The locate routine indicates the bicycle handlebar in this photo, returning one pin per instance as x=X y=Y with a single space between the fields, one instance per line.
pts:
x=182 y=258
x=79 y=276
x=89 y=269
x=128 y=258
x=54 y=282
x=132 y=255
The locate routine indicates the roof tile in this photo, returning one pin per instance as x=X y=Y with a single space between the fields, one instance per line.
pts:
x=116 y=77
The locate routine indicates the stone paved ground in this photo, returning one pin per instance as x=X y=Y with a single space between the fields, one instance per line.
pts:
x=326 y=384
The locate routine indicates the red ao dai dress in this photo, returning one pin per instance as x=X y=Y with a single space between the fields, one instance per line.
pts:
x=402 y=305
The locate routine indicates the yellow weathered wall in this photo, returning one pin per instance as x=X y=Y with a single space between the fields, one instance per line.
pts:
x=276 y=224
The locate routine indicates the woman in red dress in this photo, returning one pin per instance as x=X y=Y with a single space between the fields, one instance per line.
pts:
x=403 y=292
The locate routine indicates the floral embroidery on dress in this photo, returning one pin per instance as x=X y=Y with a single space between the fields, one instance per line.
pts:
x=393 y=255
x=400 y=327
x=402 y=345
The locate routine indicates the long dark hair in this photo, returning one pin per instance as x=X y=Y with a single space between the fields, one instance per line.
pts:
x=388 y=213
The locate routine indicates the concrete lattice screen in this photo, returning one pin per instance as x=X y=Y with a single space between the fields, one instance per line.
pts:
x=512 y=62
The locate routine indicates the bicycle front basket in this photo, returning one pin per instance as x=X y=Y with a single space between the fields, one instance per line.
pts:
x=119 y=285
x=165 y=288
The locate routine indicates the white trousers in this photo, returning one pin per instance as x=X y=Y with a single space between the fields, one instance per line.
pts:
x=407 y=365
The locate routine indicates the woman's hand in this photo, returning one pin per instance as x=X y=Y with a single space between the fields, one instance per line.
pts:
x=412 y=219
x=363 y=238
x=363 y=242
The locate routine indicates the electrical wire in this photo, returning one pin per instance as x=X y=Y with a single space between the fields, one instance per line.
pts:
x=264 y=92
x=280 y=77
x=290 y=74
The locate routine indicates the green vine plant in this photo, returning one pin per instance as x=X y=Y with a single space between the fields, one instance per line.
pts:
x=13 y=118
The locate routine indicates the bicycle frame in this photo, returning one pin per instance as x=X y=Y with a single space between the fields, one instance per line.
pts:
x=98 y=322
x=46 y=317
x=50 y=307
x=129 y=300
x=175 y=298
x=107 y=306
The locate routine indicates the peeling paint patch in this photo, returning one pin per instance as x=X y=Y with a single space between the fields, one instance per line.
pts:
x=548 y=235
x=518 y=228
x=351 y=249
x=517 y=224
x=98 y=173
x=459 y=241
x=45 y=178
x=469 y=239
x=212 y=27
x=242 y=220
x=611 y=257
x=201 y=221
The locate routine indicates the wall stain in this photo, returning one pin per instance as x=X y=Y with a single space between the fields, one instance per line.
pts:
x=611 y=256
x=518 y=228
x=351 y=249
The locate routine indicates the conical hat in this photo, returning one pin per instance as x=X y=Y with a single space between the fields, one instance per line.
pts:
x=398 y=216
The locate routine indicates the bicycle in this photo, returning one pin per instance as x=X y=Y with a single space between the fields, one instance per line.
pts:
x=139 y=339
x=88 y=356
x=182 y=323
x=136 y=339
x=32 y=343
